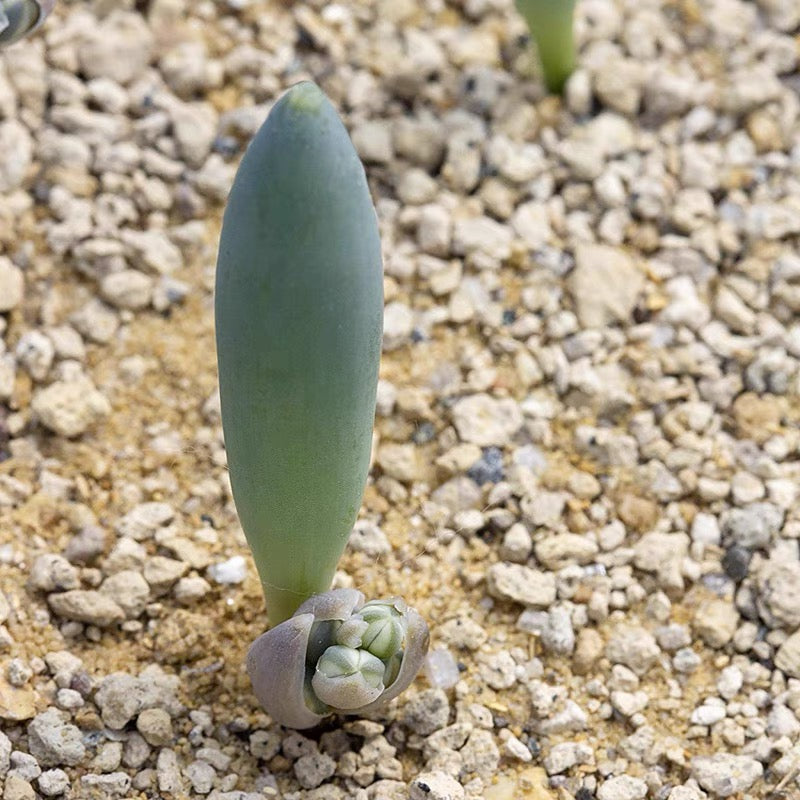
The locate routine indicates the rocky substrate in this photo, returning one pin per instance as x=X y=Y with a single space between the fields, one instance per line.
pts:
x=587 y=451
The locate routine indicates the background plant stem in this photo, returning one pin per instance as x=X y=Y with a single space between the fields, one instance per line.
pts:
x=551 y=26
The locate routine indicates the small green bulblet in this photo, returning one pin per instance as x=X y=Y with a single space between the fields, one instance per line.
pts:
x=351 y=633
x=385 y=630
x=348 y=678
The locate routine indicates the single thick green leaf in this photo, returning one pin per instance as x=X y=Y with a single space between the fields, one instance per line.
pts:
x=299 y=314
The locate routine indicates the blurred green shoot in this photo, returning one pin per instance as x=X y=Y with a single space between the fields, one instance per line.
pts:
x=551 y=26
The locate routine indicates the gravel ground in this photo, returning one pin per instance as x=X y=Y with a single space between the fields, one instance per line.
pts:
x=587 y=455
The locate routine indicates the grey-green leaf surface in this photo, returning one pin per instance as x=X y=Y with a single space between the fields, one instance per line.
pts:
x=18 y=18
x=299 y=314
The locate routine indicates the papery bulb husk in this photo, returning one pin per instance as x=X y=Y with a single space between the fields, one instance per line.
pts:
x=276 y=665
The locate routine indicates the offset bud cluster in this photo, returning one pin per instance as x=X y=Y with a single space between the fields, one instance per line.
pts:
x=337 y=654
x=18 y=18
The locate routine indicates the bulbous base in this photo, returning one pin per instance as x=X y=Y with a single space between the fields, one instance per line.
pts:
x=336 y=655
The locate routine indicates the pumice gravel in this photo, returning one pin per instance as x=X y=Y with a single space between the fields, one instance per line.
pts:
x=584 y=469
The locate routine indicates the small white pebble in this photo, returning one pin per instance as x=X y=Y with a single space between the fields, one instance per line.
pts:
x=441 y=669
x=513 y=748
x=229 y=572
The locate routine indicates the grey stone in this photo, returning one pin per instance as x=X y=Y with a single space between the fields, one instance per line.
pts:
x=398 y=324
x=480 y=754
x=16 y=788
x=86 y=545
x=194 y=126
x=426 y=712
x=168 y=772
x=730 y=681
x=143 y=520
x=605 y=285
x=16 y=153
x=86 y=606
x=265 y=744
x=416 y=187
x=673 y=637
x=35 y=352
x=558 y=635
x=435 y=786
x=708 y=714
x=53 y=573
x=96 y=321
x=201 y=775
x=373 y=142
x=129 y=590
x=135 y=751
x=53 y=782
x=119 y=48
x=68 y=408
x=499 y=670
x=127 y=288
x=570 y=718
x=127 y=554
x=155 y=726
x=367 y=537
x=779 y=593
x=153 y=251
x=754 y=526
x=18 y=672
x=788 y=656
x=724 y=774
x=686 y=660
x=484 y=236
x=562 y=549
x=716 y=621
x=566 y=755
x=312 y=769
x=5 y=754
x=462 y=632
x=483 y=420
x=421 y=141
x=12 y=285
x=633 y=647
x=517 y=544
x=52 y=741
x=531 y=223
x=120 y=697
x=622 y=787
x=521 y=584
x=434 y=230
x=108 y=758
x=162 y=572
x=25 y=766
x=113 y=784
x=191 y=589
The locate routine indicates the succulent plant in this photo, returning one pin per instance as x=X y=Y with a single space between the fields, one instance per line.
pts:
x=299 y=317
x=18 y=18
x=551 y=25
x=337 y=654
